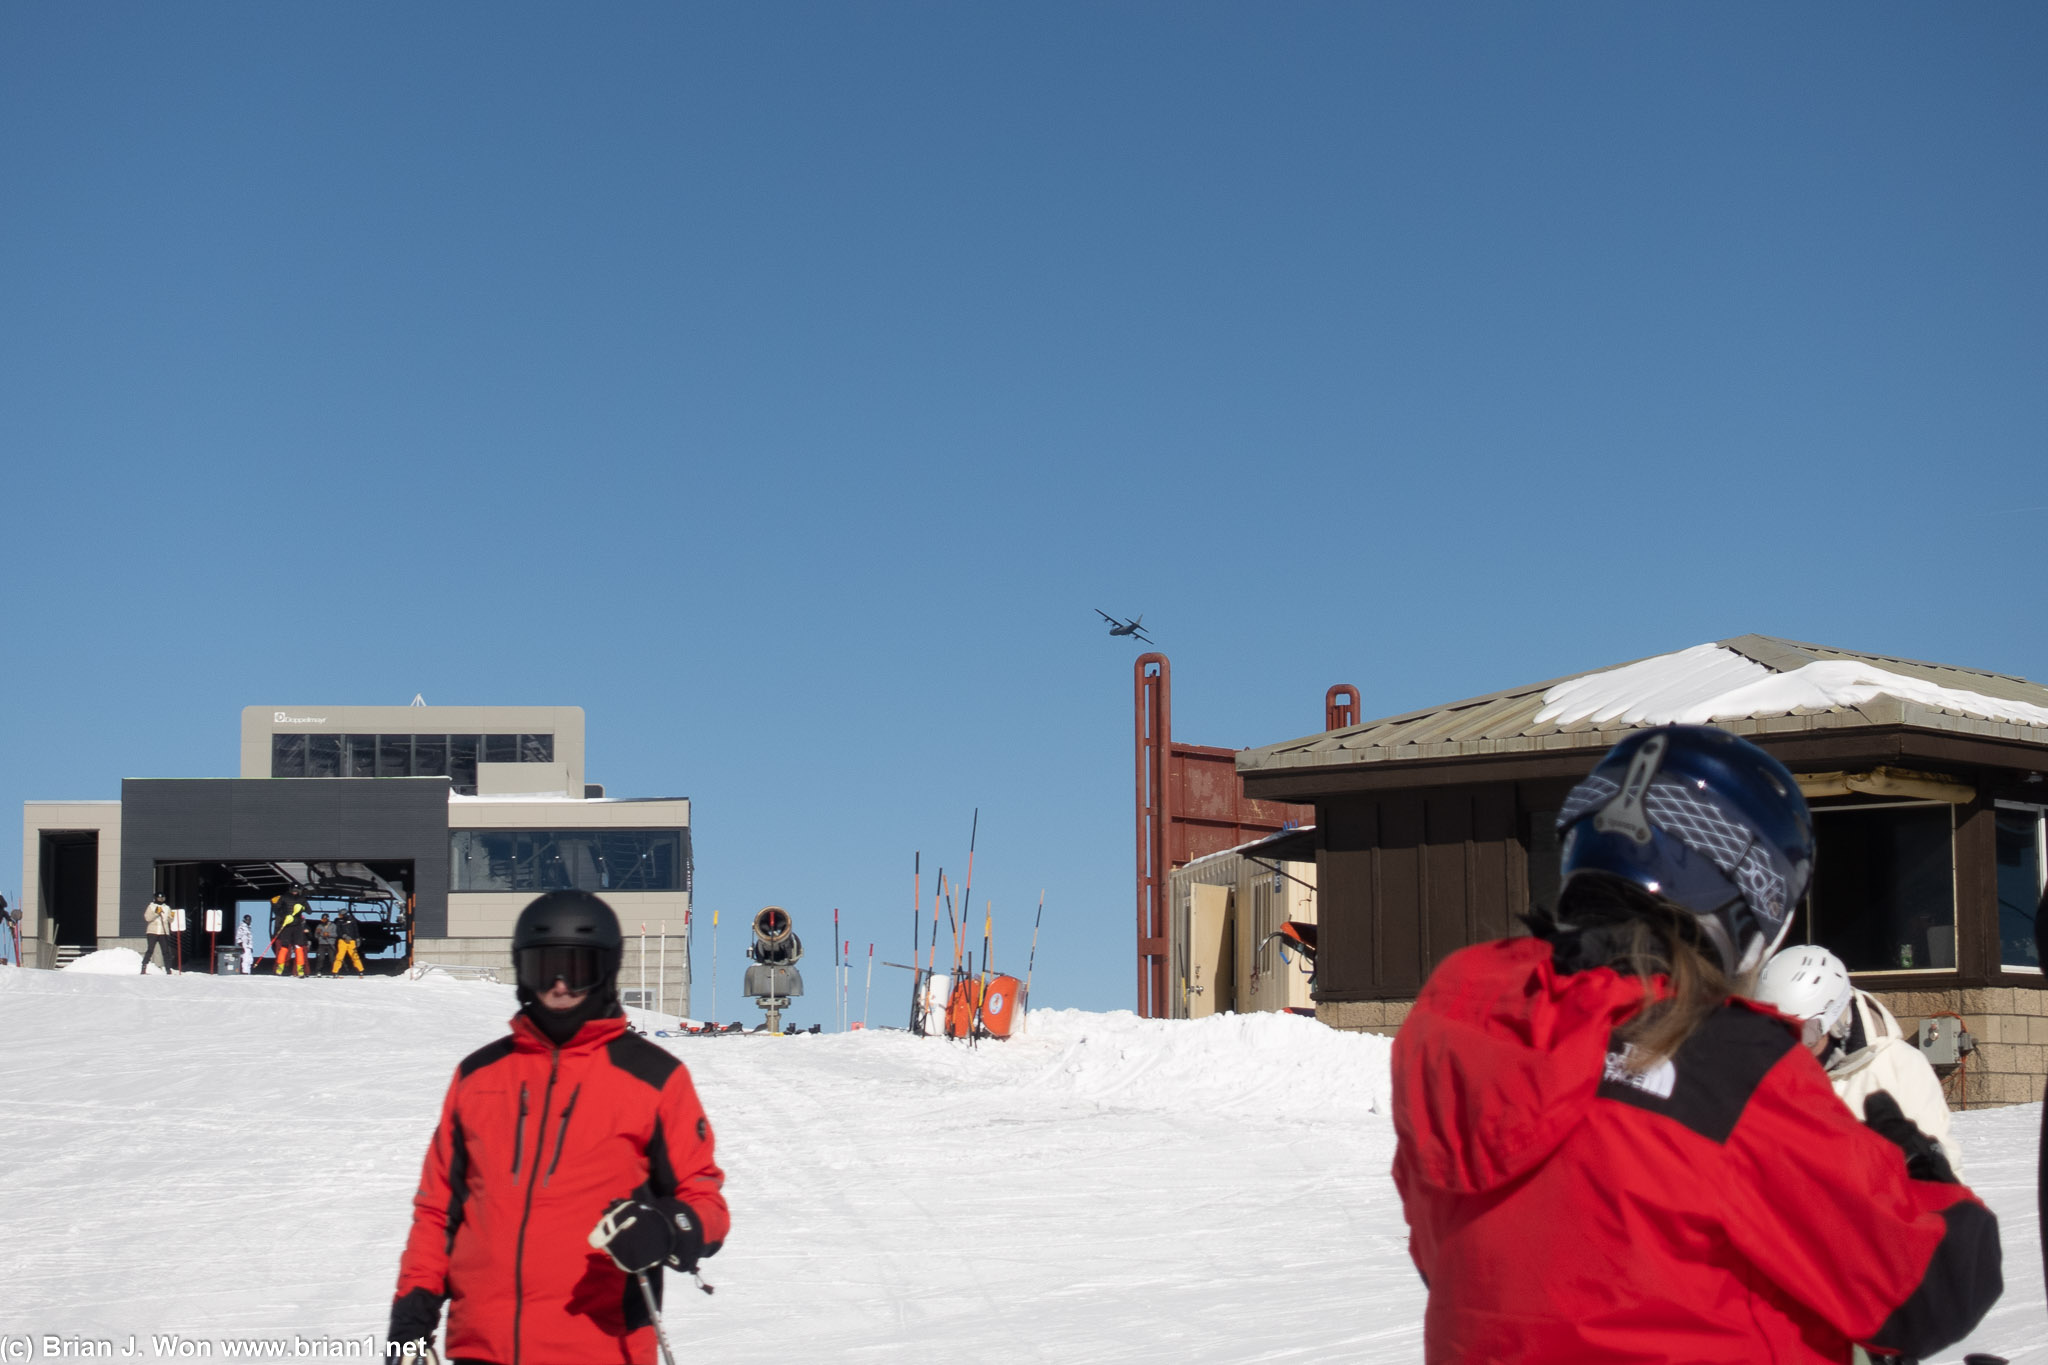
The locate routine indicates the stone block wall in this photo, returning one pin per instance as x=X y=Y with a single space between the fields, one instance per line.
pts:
x=2010 y=1024
x=1364 y=1016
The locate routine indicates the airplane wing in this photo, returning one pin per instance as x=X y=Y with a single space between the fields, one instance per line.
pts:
x=1141 y=635
x=1107 y=617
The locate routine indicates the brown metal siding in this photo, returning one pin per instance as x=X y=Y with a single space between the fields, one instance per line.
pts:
x=1976 y=855
x=1391 y=900
x=1408 y=878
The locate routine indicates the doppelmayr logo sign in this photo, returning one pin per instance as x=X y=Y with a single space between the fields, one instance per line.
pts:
x=283 y=718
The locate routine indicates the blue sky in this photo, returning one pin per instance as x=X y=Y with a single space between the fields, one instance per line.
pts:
x=786 y=384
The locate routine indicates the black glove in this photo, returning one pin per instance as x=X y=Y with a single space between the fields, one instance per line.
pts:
x=1924 y=1161
x=415 y=1317
x=640 y=1234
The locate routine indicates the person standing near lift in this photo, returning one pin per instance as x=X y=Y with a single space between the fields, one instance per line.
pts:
x=347 y=931
x=157 y=919
x=291 y=935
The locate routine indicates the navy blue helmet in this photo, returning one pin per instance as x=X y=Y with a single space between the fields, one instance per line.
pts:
x=1702 y=818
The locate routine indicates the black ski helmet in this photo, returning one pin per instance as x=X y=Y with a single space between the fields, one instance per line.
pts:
x=569 y=919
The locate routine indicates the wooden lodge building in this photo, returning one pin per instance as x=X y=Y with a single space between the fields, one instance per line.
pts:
x=1435 y=829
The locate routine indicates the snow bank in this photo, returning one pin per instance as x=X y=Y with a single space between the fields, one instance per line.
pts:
x=1278 y=1066
x=1710 y=682
x=113 y=962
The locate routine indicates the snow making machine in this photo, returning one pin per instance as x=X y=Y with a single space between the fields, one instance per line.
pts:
x=773 y=980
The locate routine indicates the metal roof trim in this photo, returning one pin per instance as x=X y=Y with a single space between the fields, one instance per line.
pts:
x=1880 y=712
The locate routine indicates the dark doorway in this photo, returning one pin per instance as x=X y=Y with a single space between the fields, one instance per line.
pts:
x=69 y=879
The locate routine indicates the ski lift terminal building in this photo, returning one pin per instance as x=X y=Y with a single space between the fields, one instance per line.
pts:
x=436 y=824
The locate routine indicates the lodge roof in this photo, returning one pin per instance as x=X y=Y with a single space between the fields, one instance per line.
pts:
x=1751 y=684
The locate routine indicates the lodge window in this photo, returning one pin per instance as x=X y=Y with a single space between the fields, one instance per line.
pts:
x=2022 y=865
x=569 y=860
x=451 y=756
x=463 y=752
x=1884 y=887
x=323 y=755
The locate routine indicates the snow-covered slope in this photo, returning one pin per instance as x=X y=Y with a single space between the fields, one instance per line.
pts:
x=229 y=1158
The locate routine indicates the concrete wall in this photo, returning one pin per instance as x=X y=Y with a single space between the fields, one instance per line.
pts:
x=514 y=812
x=667 y=966
x=491 y=914
x=37 y=816
x=525 y=779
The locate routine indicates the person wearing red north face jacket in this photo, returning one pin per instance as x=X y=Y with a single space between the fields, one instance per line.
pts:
x=540 y=1134
x=1605 y=1155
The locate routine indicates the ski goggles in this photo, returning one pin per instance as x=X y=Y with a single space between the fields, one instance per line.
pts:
x=579 y=969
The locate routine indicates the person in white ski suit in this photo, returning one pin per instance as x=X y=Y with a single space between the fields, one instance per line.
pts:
x=157 y=919
x=1858 y=1041
x=245 y=939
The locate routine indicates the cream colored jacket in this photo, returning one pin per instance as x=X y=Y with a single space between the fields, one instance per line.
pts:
x=1892 y=1063
x=156 y=918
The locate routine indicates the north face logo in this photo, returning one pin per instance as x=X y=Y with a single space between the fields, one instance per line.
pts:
x=1659 y=1080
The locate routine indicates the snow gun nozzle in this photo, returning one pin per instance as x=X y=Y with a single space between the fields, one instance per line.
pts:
x=775 y=937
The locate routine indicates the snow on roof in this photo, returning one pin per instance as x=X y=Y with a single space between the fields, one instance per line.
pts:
x=1239 y=850
x=1749 y=683
x=1712 y=682
x=456 y=798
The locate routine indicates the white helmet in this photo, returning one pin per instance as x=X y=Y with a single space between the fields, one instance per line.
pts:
x=1809 y=983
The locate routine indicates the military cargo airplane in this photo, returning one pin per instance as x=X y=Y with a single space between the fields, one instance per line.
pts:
x=1133 y=628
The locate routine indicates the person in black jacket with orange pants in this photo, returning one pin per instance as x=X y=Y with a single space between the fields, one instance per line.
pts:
x=291 y=934
x=569 y=1124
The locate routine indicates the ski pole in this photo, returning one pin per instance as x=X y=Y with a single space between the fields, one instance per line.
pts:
x=1032 y=965
x=869 y=997
x=967 y=899
x=916 y=897
x=653 y=1312
x=953 y=926
x=988 y=929
x=920 y=1013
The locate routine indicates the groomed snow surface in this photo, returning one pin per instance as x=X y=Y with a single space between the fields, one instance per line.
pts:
x=220 y=1159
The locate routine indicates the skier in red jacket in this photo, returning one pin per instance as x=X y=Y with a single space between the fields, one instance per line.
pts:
x=1605 y=1154
x=569 y=1123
